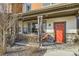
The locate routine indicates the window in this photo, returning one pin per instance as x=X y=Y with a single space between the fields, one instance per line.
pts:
x=46 y=4
x=19 y=29
x=26 y=7
x=24 y=30
x=34 y=27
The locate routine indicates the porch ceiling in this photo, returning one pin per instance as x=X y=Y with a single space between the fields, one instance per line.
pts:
x=53 y=11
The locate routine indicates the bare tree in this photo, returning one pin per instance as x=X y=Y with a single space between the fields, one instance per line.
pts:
x=6 y=22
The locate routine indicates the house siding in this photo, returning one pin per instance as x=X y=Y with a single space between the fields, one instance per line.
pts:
x=23 y=26
x=17 y=7
x=35 y=6
x=70 y=24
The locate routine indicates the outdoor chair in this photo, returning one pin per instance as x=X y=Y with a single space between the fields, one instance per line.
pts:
x=47 y=40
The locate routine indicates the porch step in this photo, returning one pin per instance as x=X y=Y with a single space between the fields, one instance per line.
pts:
x=20 y=44
x=47 y=44
x=33 y=44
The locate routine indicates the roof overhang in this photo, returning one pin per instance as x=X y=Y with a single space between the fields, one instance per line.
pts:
x=63 y=10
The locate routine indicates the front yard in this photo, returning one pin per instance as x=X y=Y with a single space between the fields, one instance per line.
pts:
x=53 y=50
x=25 y=51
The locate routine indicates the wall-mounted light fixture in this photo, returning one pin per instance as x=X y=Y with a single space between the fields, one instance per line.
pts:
x=49 y=25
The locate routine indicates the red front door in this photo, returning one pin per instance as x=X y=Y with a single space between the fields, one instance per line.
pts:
x=59 y=28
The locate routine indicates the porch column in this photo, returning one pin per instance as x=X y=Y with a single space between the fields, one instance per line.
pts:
x=40 y=20
x=77 y=18
x=77 y=25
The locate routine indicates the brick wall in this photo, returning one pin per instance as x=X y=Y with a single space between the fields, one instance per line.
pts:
x=17 y=7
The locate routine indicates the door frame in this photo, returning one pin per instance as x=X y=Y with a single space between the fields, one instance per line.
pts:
x=64 y=30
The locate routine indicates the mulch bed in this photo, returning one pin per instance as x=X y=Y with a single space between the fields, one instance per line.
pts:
x=26 y=51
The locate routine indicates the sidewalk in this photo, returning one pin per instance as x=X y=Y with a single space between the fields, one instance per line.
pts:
x=62 y=51
x=58 y=53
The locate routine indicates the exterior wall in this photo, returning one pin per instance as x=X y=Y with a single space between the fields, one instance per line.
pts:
x=17 y=7
x=5 y=7
x=28 y=25
x=26 y=7
x=71 y=26
x=9 y=8
x=20 y=26
x=35 y=6
x=23 y=27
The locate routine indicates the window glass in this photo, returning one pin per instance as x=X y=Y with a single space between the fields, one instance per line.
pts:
x=28 y=6
x=24 y=30
x=46 y=4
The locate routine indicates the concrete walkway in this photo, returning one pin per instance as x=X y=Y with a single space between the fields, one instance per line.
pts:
x=62 y=50
x=58 y=53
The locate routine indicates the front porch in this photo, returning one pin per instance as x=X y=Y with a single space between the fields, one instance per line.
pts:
x=40 y=20
x=29 y=30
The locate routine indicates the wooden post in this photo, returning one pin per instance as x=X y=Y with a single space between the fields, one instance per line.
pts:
x=40 y=29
